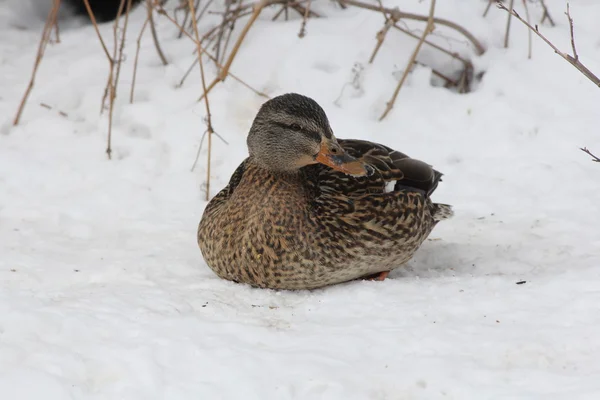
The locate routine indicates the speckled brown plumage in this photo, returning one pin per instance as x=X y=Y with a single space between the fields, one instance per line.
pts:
x=313 y=226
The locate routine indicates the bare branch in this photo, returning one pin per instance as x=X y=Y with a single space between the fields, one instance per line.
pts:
x=574 y=62
x=487 y=8
x=381 y=37
x=302 y=32
x=50 y=22
x=568 y=14
x=428 y=29
x=209 y=128
x=396 y=14
x=93 y=19
x=161 y=55
x=135 y=62
x=546 y=14
x=594 y=158
x=507 y=32
x=163 y=12
x=528 y=31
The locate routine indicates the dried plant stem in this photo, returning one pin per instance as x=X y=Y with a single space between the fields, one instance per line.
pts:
x=428 y=29
x=570 y=59
x=435 y=46
x=594 y=157
x=489 y=5
x=135 y=62
x=546 y=14
x=528 y=31
x=258 y=7
x=162 y=11
x=568 y=13
x=209 y=128
x=95 y=24
x=61 y=113
x=381 y=37
x=161 y=55
x=122 y=44
x=509 y=18
x=397 y=15
x=44 y=39
x=56 y=29
x=302 y=32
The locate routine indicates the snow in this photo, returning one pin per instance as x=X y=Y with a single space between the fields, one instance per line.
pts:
x=104 y=293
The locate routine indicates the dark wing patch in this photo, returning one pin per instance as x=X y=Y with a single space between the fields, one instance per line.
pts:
x=390 y=166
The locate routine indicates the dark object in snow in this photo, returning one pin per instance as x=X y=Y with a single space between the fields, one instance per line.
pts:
x=307 y=210
x=104 y=10
x=521 y=282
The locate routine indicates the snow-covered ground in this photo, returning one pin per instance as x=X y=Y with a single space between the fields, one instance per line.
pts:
x=104 y=293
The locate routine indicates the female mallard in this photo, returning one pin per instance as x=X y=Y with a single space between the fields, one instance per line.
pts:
x=307 y=210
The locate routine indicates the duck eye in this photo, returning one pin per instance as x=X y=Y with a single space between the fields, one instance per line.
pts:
x=296 y=127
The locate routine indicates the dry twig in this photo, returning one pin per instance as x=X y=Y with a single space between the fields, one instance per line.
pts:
x=546 y=14
x=594 y=158
x=574 y=61
x=49 y=107
x=302 y=32
x=389 y=22
x=209 y=128
x=568 y=14
x=163 y=12
x=50 y=22
x=135 y=62
x=397 y=15
x=489 y=5
x=528 y=31
x=507 y=32
x=161 y=55
x=428 y=29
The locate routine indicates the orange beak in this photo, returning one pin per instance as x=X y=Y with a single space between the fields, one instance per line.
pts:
x=332 y=155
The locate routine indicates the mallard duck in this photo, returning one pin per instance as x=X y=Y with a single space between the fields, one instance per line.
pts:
x=307 y=210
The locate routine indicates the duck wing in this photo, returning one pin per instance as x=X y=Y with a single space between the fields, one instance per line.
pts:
x=393 y=171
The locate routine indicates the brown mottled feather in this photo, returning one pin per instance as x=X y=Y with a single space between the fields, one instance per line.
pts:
x=317 y=227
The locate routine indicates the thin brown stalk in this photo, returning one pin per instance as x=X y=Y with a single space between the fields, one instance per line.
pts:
x=508 y=19
x=258 y=7
x=221 y=31
x=281 y=10
x=187 y=15
x=61 y=113
x=95 y=24
x=135 y=62
x=397 y=15
x=570 y=59
x=568 y=13
x=202 y=12
x=428 y=29
x=381 y=37
x=435 y=46
x=528 y=31
x=209 y=127
x=588 y=152
x=229 y=33
x=303 y=10
x=162 y=11
x=56 y=29
x=122 y=44
x=161 y=55
x=44 y=39
x=546 y=14
x=489 y=5
x=302 y=32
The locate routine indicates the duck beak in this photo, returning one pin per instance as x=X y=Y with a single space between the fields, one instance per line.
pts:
x=332 y=155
